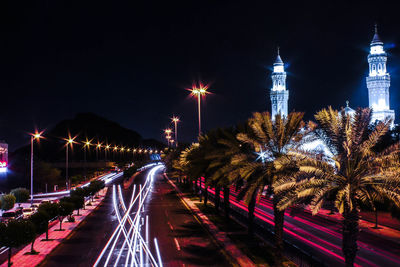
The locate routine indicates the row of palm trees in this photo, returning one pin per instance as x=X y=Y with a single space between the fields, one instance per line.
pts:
x=269 y=154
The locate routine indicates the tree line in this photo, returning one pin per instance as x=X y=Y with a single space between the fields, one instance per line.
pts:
x=16 y=233
x=357 y=167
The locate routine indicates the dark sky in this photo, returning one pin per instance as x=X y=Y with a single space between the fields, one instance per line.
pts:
x=131 y=62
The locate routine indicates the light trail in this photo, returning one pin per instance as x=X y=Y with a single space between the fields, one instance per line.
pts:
x=138 y=253
x=108 y=178
x=263 y=211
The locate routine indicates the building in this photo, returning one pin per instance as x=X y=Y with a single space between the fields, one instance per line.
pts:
x=279 y=95
x=378 y=81
x=3 y=156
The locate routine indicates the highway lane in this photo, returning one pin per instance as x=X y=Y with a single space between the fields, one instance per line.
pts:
x=181 y=238
x=183 y=241
x=321 y=237
x=88 y=239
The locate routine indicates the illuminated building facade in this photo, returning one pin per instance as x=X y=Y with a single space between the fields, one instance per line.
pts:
x=378 y=81
x=279 y=95
x=3 y=156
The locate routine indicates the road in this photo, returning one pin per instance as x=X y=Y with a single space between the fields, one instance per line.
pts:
x=183 y=241
x=88 y=239
x=181 y=238
x=320 y=237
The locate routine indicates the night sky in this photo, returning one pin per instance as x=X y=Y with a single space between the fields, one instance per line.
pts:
x=131 y=62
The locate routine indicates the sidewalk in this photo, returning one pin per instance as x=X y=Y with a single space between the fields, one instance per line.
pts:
x=45 y=247
x=221 y=237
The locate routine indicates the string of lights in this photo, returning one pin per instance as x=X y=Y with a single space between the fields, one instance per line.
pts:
x=87 y=143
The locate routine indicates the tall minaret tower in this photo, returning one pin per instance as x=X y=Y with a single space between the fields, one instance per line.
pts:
x=279 y=94
x=378 y=81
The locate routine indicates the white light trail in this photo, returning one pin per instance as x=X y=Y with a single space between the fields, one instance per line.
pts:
x=131 y=229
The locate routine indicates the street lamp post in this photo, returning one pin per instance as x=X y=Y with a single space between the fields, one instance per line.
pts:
x=33 y=137
x=105 y=152
x=98 y=147
x=199 y=92
x=168 y=140
x=168 y=132
x=70 y=141
x=175 y=120
x=85 y=147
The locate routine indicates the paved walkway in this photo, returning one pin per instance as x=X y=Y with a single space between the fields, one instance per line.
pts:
x=221 y=237
x=45 y=247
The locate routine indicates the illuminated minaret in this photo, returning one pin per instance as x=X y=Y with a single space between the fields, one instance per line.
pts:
x=378 y=81
x=279 y=94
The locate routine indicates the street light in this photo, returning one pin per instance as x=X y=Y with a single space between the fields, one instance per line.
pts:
x=35 y=136
x=168 y=132
x=107 y=147
x=70 y=141
x=175 y=120
x=199 y=92
x=168 y=139
x=98 y=147
x=85 y=147
x=122 y=153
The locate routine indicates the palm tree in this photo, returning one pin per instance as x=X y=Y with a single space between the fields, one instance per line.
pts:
x=222 y=145
x=272 y=139
x=355 y=175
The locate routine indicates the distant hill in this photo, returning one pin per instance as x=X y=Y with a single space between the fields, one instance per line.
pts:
x=51 y=149
x=87 y=126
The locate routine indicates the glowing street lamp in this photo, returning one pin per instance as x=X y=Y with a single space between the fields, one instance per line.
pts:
x=175 y=120
x=168 y=131
x=85 y=147
x=70 y=141
x=122 y=149
x=107 y=147
x=115 y=149
x=98 y=147
x=168 y=139
x=35 y=136
x=198 y=92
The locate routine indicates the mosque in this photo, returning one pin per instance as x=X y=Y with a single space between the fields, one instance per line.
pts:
x=378 y=83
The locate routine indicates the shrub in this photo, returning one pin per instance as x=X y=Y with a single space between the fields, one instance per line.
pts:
x=7 y=201
x=21 y=194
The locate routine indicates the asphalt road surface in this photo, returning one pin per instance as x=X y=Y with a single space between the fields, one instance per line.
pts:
x=181 y=238
x=86 y=242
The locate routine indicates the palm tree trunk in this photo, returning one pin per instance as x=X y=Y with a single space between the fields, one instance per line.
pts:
x=279 y=219
x=226 y=201
x=9 y=257
x=251 y=208
x=205 y=195
x=350 y=234
x=32 y=250
x=217 y=197
x=47 y=231
x=196 y=188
